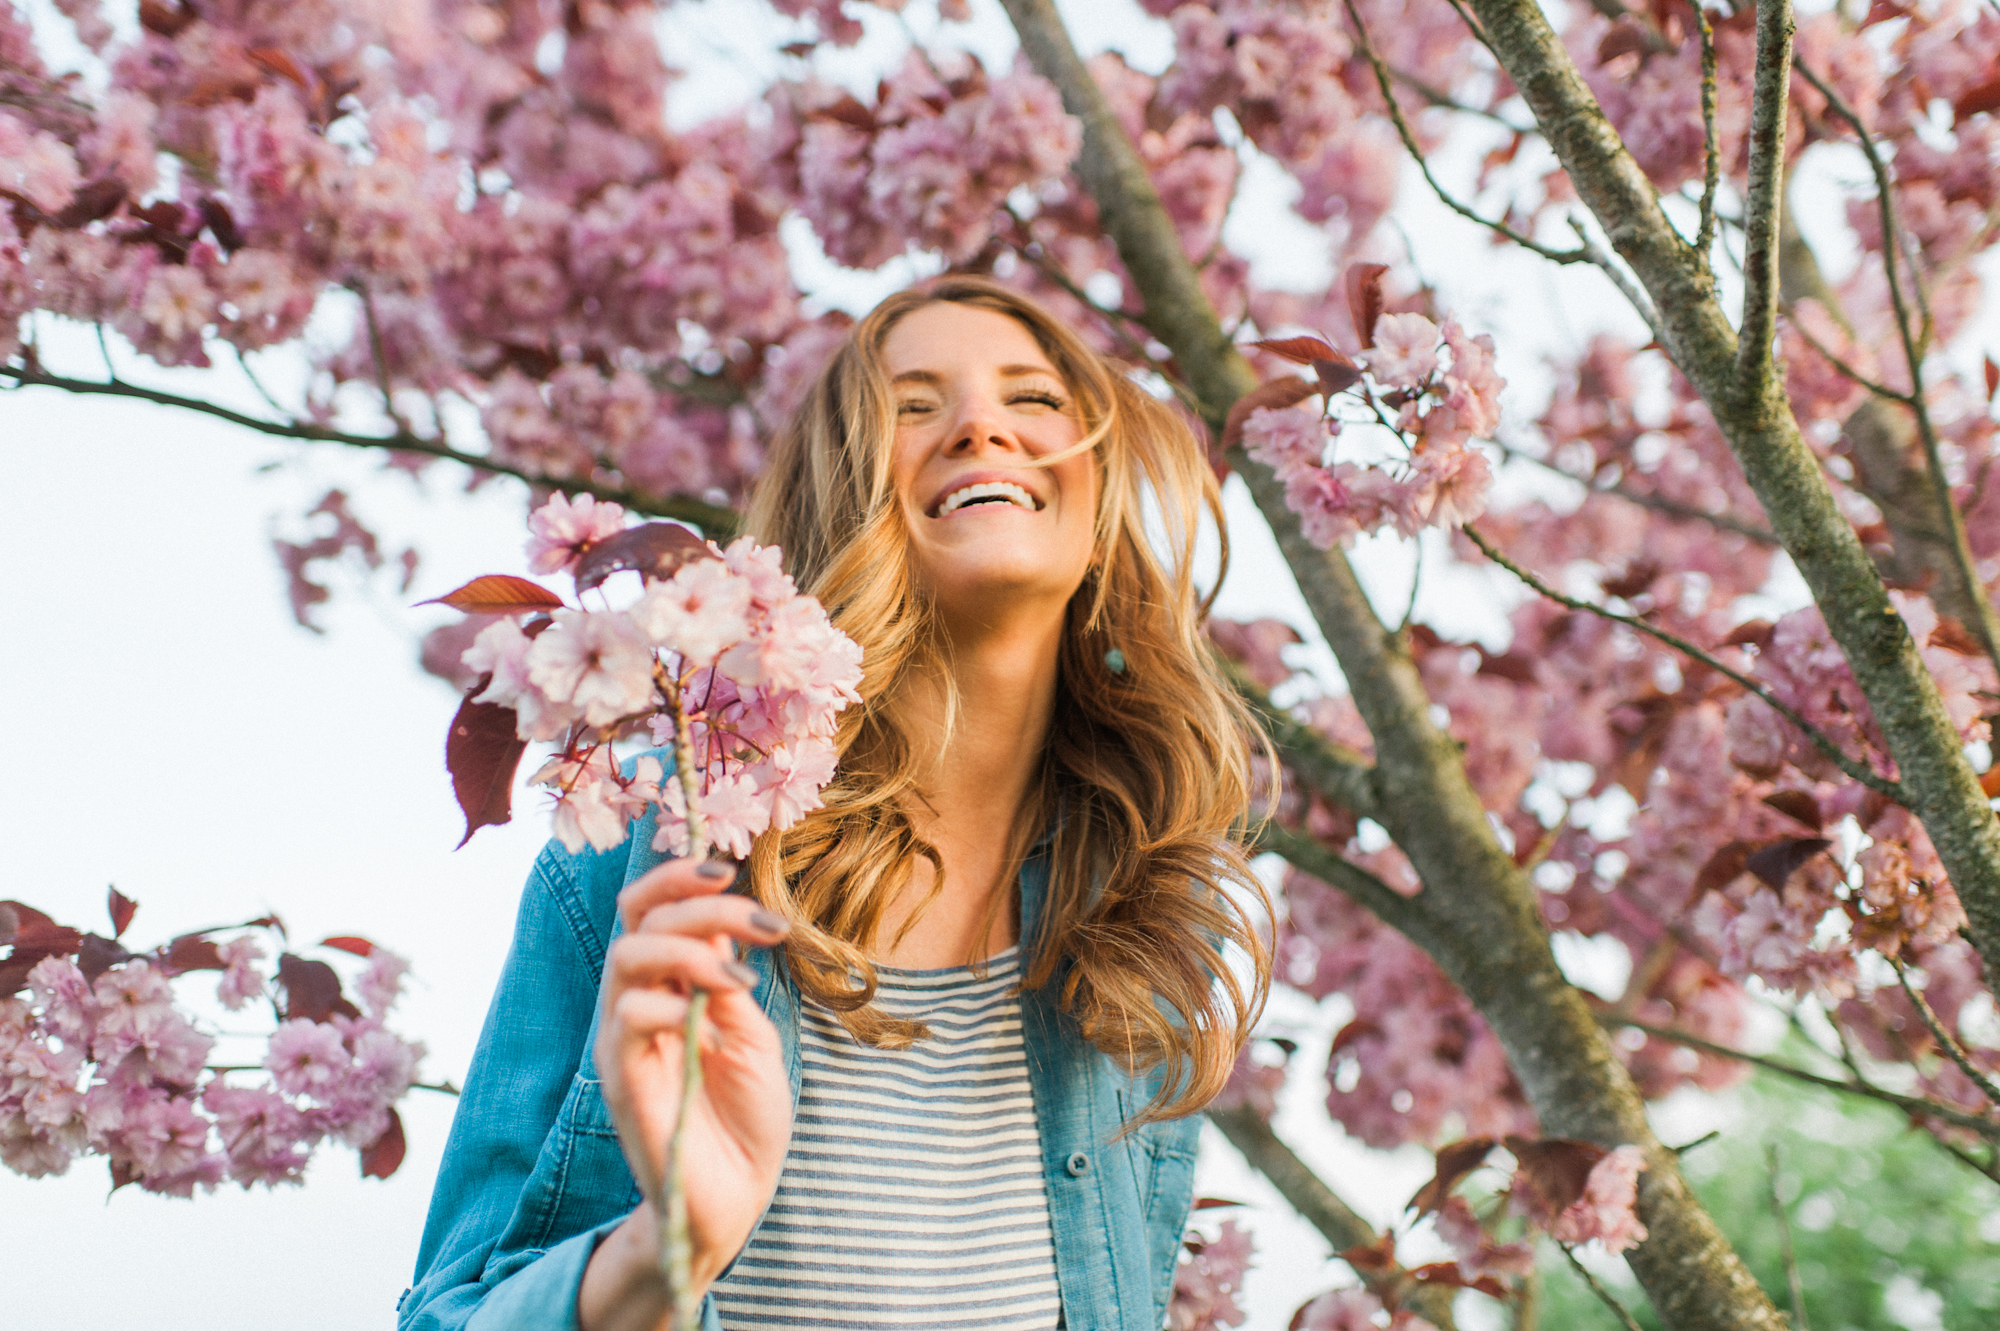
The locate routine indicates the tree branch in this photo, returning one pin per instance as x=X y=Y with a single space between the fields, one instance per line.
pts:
x=1711 y=171
x=1793 y=1284
x=1335 y=771
x=1416 y=151
x=1673 y=508
x=1756 y=419
x=1944 y=1039
x=1766 y=200
x=713 y=519
x=1820 y=739
x=1859 y=1086
x=1479 y=912
x=1604 y=1296
x=1985 y=623
x=1341 y=1225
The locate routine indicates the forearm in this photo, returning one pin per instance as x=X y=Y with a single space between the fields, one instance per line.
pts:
x=622 y=1287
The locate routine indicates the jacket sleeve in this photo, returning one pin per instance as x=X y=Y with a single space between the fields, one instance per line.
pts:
x=488 y=1258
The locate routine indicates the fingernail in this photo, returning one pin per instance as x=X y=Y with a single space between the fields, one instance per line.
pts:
x=765 y=922
x=741 y=973
x=714 y=869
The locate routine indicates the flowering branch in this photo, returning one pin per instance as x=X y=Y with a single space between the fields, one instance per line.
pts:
x=712 y=518
x=1820 y=739
x=1403 y=130
x=1985 y=619
x=1335 y=771
x=1854 y=1084
x=1944 y=1038
x=1657 y=502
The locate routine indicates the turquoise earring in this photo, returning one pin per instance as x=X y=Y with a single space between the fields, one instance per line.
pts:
x=1114 y=661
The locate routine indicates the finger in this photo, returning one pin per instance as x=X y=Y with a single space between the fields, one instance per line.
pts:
x=673 y=881
x=673 y=961
x=706 y=917
x=640 y=1015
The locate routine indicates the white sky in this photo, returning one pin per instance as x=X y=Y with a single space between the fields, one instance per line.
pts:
x=168 y=729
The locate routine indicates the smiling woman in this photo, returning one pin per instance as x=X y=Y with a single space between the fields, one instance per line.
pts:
x=989 y=987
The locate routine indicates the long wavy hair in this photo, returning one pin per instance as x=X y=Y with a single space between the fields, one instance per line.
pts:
x=1145 y=777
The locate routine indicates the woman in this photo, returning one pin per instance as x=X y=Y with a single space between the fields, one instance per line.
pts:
x=986 y=989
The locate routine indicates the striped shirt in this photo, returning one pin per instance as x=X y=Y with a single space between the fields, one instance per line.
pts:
x=913 y=1194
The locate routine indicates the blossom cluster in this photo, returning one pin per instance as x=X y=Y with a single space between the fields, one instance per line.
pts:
x=1443 y=387
x=1209 y=1278
x=98 y=1056
x=721 y=659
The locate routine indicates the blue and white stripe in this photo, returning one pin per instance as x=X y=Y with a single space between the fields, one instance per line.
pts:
x=913 y=1194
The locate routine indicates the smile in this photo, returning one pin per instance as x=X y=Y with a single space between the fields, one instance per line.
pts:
x=984 y=494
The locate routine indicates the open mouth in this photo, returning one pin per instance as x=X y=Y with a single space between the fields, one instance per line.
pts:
x=986 y=493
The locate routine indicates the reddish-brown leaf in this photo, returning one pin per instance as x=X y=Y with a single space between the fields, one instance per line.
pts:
x=1954 y=636
x=1210 y=1203
x=360 y=947
x=1637 y=577
x=274 y=61
x=1627 y=35
x=1288 y=391
x=1377 y=1258
x=383 y=1156
x=97 y=954
x=1883 y=11
x=1454 y=1162
x=122 y=909
x=482 y=751
x=1352 y=1031
x=1364 y=298
x=499 y=594
x=167 y=20
x=1448 y=1274
x=1989 y=781
x=1337 y=373
x=122 y=1173
x=98 y=199
x=1299 y=350
x=1557 y=1168
x=655 y=549
x=1992 y=378
x=1750 y=633
x=1798 y=805
x=1517 y=667
x=1985 y=97
x=190 y=952
x=1777 y=862
x=311 y=990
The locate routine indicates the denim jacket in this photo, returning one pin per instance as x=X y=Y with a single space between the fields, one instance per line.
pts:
x=533 y=1176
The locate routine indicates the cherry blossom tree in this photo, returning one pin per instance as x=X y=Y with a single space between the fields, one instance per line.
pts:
x=536 y=277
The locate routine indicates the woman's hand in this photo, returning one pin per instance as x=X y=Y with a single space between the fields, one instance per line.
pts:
x=678 y=930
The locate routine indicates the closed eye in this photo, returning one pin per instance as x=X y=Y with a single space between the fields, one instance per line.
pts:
x=1047 y=399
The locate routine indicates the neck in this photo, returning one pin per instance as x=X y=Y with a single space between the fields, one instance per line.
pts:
x=975 y=771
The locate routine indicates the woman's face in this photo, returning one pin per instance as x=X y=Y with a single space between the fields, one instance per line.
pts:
x=976 y=399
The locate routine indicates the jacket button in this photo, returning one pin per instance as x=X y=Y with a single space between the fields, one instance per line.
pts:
x=1078 y=1165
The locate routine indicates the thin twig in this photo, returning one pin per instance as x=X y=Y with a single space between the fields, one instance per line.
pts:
x=1416 y=585
x=1673 y=508
x=1595 y=255
x=1609 y=1299
x=1799 y=1322
x=713 y=519
x=1846 y=370
x=1478 y=29
x=1444 y=101
x=1416 y=151
x=1951 y=1047
x=1820 y=739
x=381 y=358
x=1986 y=622
x=1711 y=176
x=1909 y=1104
x=243 y=363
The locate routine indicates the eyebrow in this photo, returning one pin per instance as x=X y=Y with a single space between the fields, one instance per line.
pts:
x=934 y=378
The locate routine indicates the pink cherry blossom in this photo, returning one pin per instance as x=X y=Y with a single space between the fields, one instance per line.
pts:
x=1207 y=1282
x=564 y=527
x=699 y=613
x=307 y=1058
x=597 y=663
x=1405 y=352
x=1604 y=1213
x=241 y=981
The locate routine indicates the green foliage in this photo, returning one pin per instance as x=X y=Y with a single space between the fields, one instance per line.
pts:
x=1890 y=1232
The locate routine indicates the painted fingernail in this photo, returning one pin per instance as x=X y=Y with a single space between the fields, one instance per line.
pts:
x=714 y=869
x=765 y=922
x=741 y=973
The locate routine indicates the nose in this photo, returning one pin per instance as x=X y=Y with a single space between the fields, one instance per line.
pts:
x=980 y=425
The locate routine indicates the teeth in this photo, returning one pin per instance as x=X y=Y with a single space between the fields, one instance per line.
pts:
x=1006 y=490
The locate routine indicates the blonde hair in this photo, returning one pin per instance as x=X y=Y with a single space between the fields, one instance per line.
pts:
x=1146 y=773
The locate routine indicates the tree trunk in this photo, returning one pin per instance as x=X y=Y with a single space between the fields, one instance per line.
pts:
x=1488 y=935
